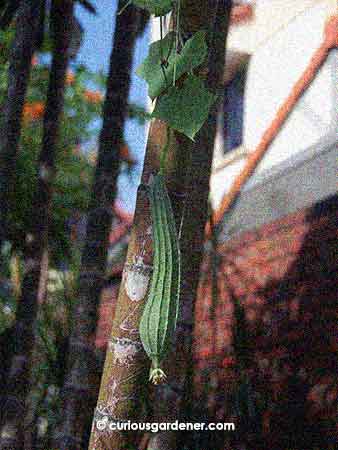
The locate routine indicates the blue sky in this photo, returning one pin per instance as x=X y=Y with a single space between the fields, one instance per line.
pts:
x=95 y=53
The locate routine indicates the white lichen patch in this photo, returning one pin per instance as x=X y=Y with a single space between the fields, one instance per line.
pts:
x=136 y=279
x=127 y=323
x=136 y=286
x=124 y=350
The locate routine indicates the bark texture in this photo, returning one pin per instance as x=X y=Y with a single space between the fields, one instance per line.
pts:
x=12 y=430
x=80 y=389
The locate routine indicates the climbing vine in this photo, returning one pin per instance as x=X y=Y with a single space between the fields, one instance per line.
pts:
x=182 y=101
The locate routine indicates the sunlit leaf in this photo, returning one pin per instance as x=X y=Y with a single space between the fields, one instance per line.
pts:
x=160 y=76
x=186 y=108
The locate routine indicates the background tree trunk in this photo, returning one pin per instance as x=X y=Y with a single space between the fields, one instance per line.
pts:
x=37 y=240
x=26 y=31
x=174 y=399
x=80 y=389
x=123 y=385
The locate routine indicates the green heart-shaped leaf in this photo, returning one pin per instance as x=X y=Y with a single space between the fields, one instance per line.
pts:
x=191 y=56
x=185 y=109
x=151 y=71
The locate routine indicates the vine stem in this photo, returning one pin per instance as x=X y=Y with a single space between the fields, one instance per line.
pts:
x=177 y=33
x=124 y=7
x=164 y=152
x=161 y=51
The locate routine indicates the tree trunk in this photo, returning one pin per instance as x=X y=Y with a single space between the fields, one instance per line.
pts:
x=173 y=401
x=123 y=384
x=37 y=239
x=126 y=367
x=79 y=392
x=27 y=25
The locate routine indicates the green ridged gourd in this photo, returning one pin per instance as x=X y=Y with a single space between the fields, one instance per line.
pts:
x=159 y=317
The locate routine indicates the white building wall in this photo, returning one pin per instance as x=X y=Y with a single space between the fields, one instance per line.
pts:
x=274 y=68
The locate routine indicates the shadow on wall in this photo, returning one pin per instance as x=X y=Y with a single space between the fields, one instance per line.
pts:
x=266 y=344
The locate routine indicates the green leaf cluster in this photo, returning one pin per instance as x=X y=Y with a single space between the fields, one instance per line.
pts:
x=182 y=100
